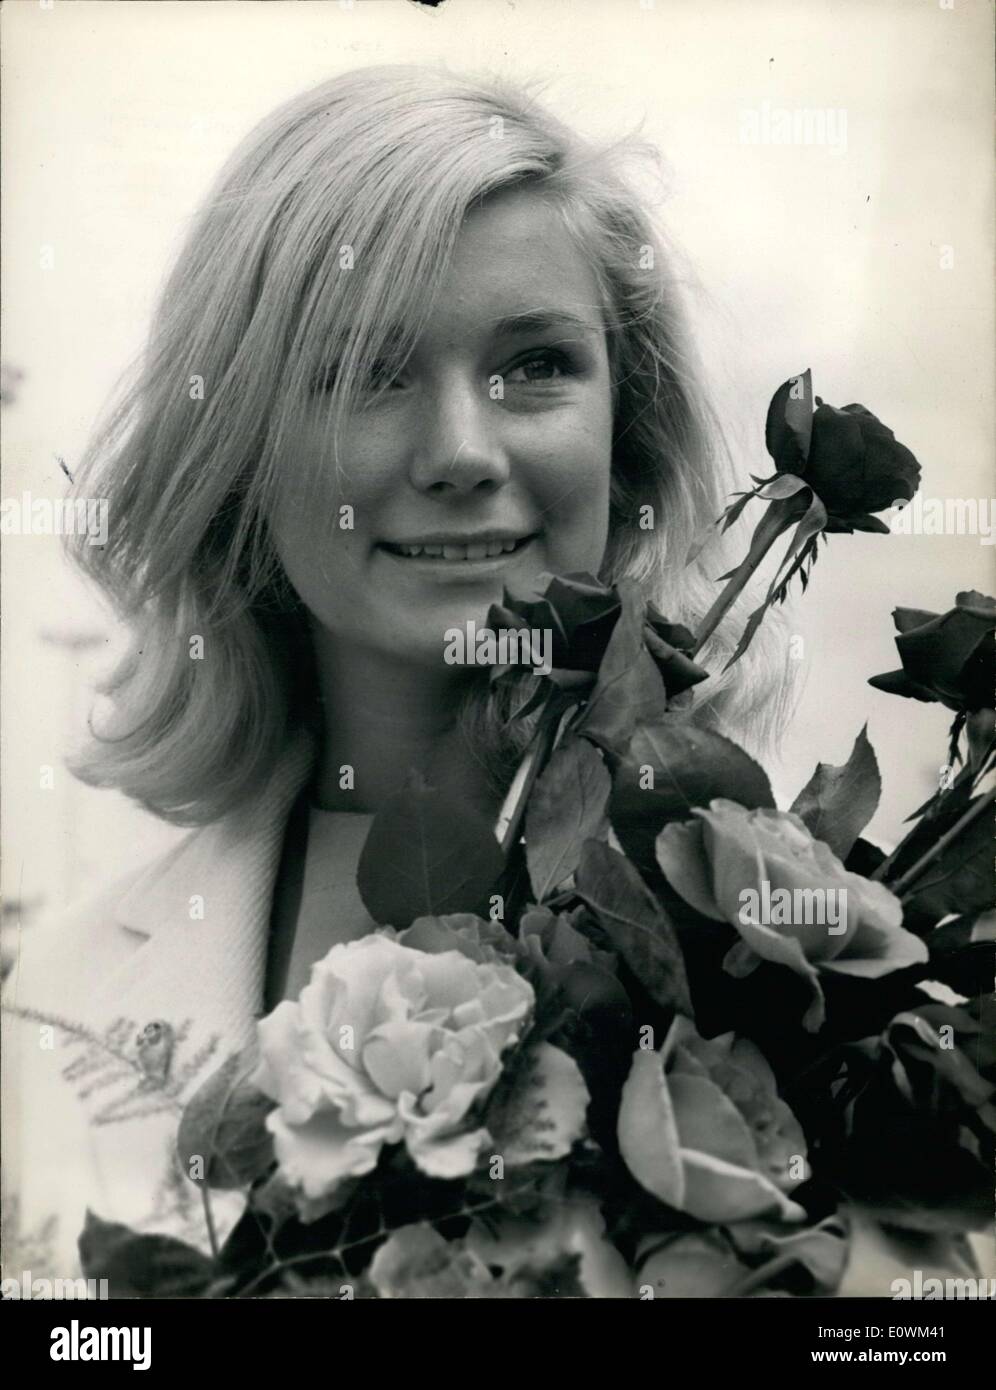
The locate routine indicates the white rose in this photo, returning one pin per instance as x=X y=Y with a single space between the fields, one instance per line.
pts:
x=386 y=1044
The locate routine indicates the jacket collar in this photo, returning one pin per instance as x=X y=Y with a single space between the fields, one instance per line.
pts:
x=205 y=910
x=228 y=862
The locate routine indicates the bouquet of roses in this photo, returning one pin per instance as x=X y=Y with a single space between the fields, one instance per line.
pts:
x=651 y=1035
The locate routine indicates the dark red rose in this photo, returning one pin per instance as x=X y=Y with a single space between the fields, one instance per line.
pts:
x=853 y=462
x=582 y=614
x=948 y=657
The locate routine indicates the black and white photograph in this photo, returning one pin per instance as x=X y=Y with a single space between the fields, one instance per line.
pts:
x=498 y=737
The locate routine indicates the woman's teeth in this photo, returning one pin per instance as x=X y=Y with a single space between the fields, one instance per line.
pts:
x=478 y=550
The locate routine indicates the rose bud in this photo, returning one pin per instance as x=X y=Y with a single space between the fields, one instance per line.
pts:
x=702 y=1128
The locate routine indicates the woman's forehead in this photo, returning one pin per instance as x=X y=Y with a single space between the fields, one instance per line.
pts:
x=518 y=239
x=516 y=270
x=516 y=267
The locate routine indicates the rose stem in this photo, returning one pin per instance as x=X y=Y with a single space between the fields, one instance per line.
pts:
x=972 y=814
x=533 y=760
x=209 y=1222
x=888 y=862
x=771 y=527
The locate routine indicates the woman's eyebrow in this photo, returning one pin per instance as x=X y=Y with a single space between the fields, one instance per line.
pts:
x=541 y=320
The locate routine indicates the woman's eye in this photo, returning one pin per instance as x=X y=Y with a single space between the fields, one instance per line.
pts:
x=382 y=374
x=540 y=367
x=376 y=378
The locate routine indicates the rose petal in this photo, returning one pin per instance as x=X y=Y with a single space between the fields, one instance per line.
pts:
x=451 y=1157
x=878 y=951
x=279 y=1073
x=541 y=1114
x=716 y=1191
x=785 y=950
x=396 y=1056
x=682 y=862
x=734 y=859
x=740 y=961
x=648 y=1134
x=345 y=987
x=778 y=1136
x=821 y=1249
x=417 y=1262
x=449 y=978
x=459 y=1061
x=706 y=1119
x=318 y=1155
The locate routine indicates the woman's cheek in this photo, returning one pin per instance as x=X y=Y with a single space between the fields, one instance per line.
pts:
x=318 y=546
x=578 y=515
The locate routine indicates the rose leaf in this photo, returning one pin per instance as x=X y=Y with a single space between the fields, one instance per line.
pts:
x=222 y=1140
x=961 y=932
x=141 y=1266
x=838 y=802
x=962 y=951
x=960 y=879
x=567 y=807
x=635 y=923
x=629 y=687
x=427 y=854
x=671 y=768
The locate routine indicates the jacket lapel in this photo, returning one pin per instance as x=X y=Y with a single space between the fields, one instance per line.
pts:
x=206 y=912
x=186 y=998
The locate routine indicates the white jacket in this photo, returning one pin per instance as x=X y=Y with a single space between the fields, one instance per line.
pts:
x=182 y=942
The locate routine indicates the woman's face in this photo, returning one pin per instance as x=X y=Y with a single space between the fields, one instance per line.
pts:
x=485 y=463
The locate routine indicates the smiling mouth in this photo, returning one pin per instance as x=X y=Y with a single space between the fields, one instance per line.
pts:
x=458 y=552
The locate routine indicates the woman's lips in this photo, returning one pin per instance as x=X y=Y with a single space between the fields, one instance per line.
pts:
x=457 y=553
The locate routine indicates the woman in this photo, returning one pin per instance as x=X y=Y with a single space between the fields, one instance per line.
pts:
x=422 y=342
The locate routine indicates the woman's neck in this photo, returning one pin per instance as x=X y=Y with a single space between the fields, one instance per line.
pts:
x=380 y=718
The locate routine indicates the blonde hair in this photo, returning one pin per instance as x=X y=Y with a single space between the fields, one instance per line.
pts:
x=377 y=169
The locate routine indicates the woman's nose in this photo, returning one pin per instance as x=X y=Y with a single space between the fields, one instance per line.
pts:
x=458 y=448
